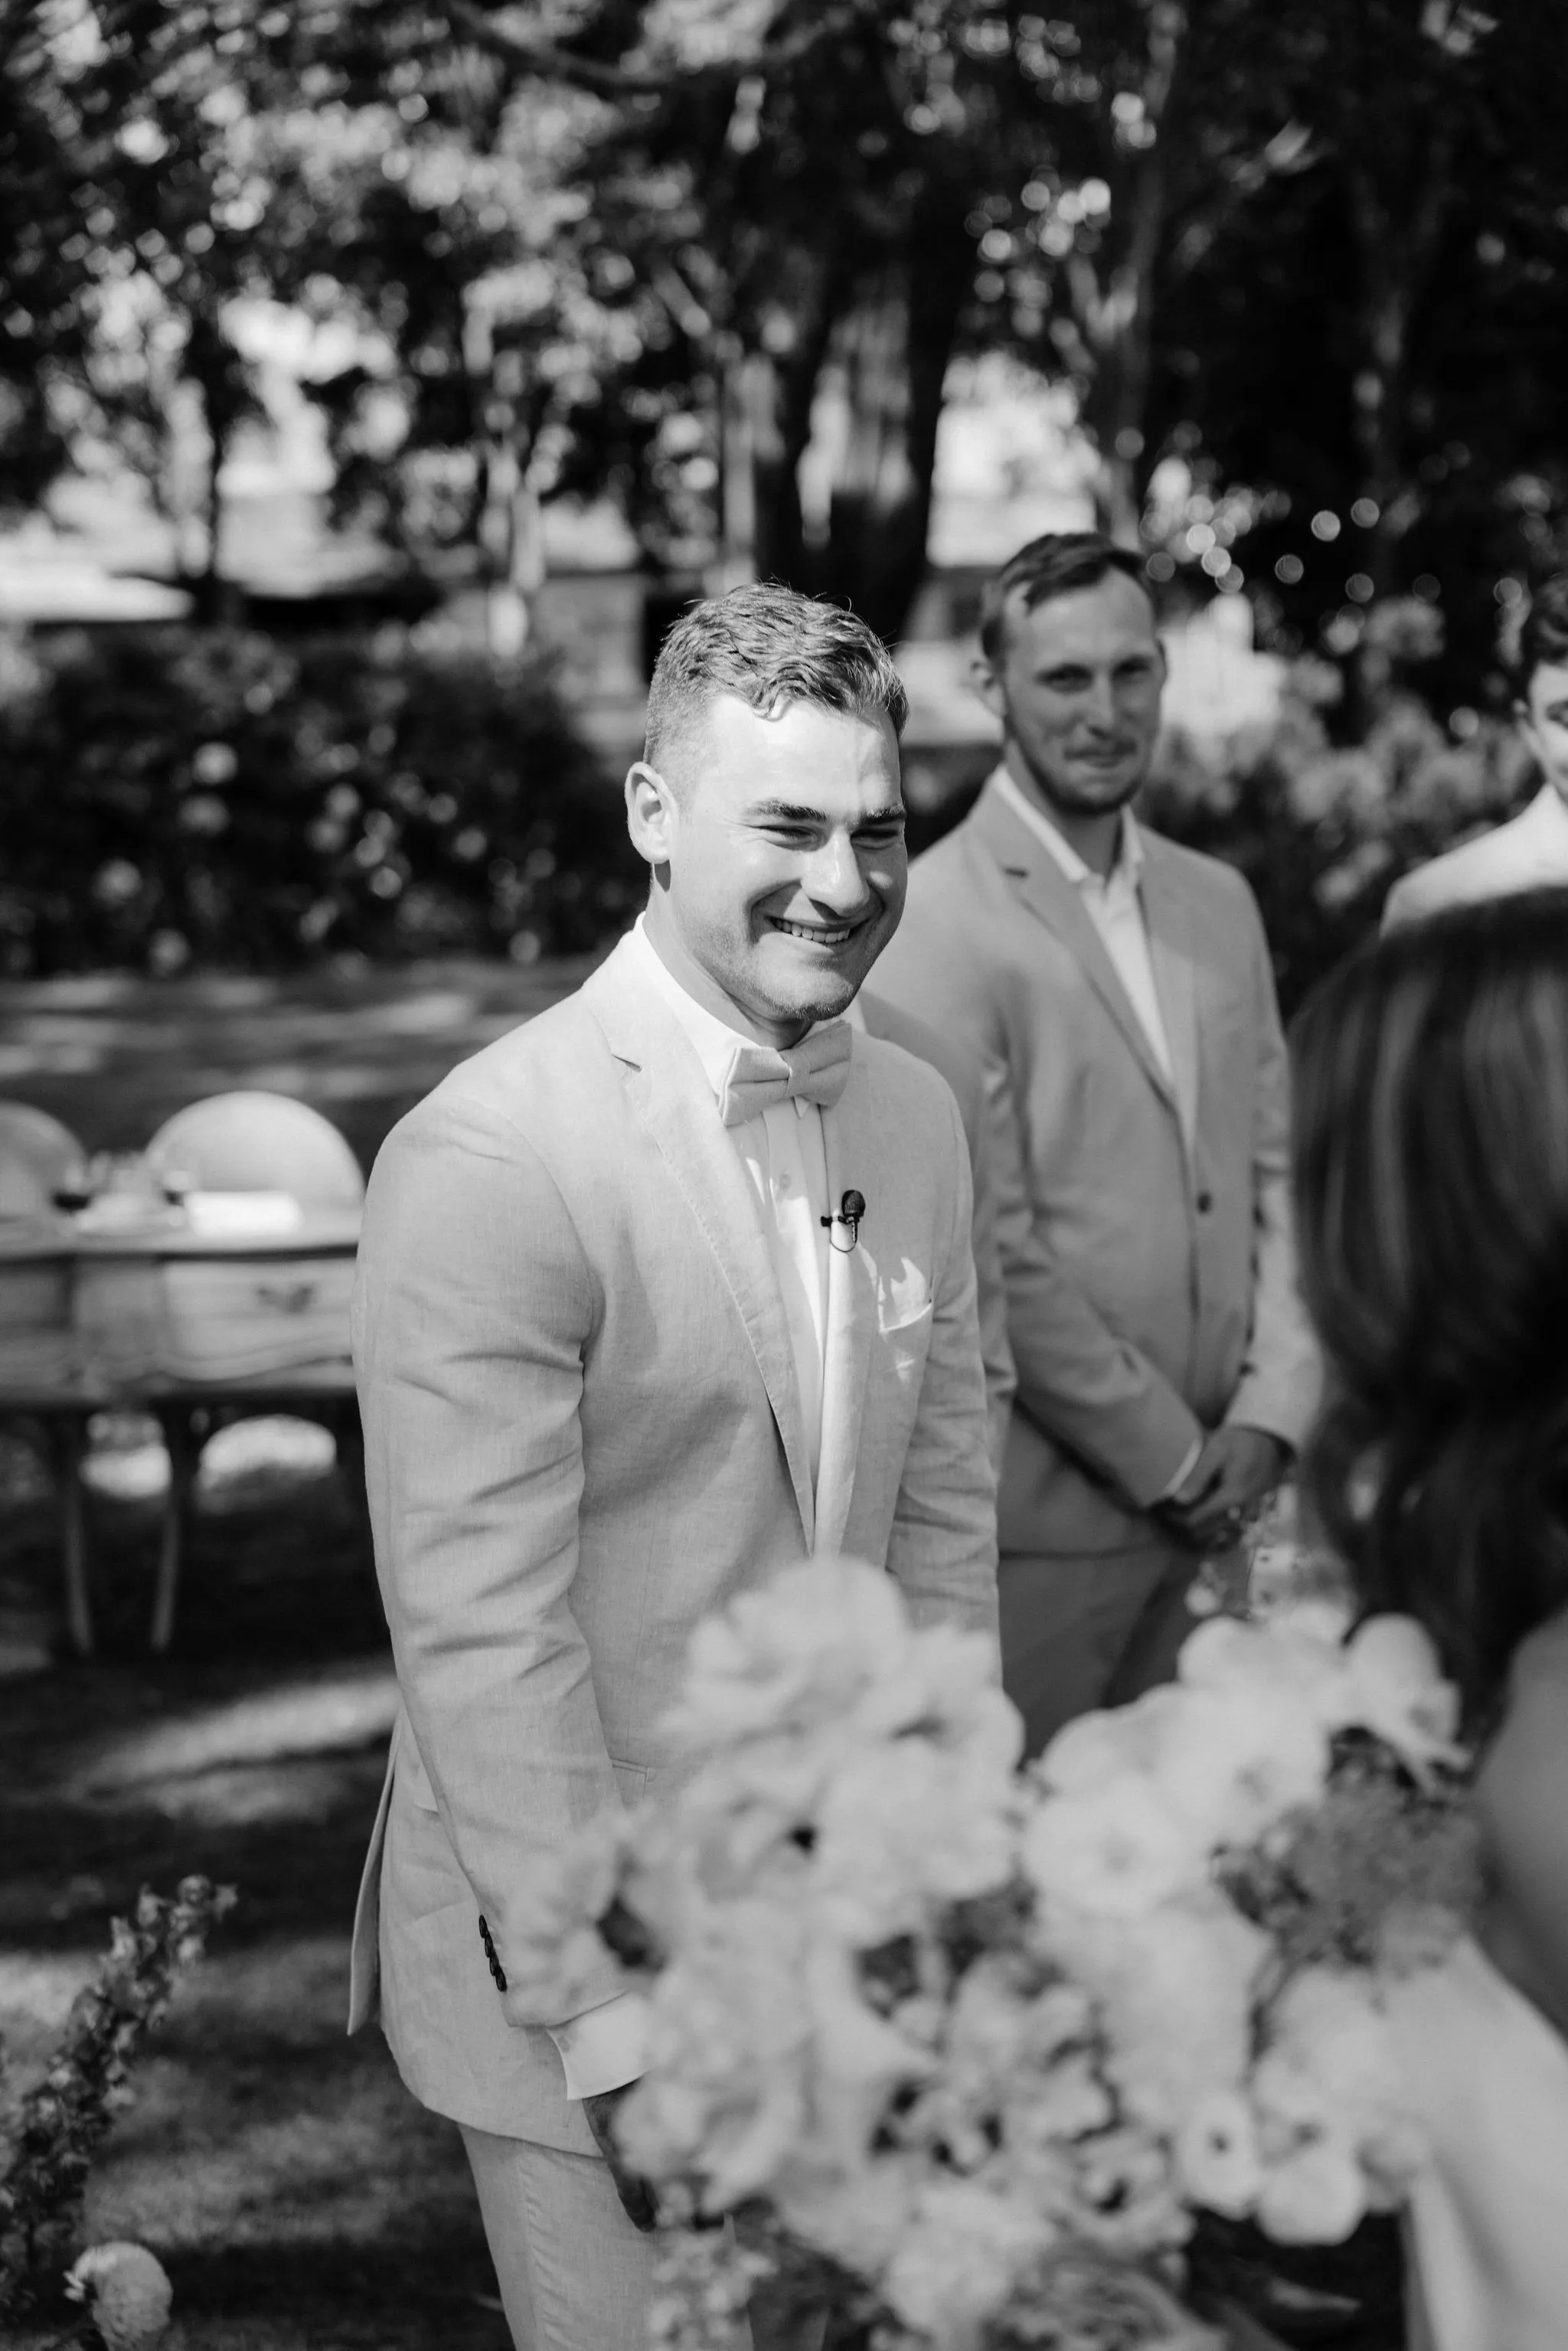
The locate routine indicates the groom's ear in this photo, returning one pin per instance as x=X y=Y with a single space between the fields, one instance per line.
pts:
x=651 y=813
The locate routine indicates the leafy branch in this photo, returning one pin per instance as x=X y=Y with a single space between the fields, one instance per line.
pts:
x=65 y=2118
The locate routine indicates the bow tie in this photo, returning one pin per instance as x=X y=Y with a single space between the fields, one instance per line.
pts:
x=817 y=1069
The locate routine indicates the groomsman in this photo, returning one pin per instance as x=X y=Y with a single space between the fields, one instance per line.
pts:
x=1165 y=1373
x=658 y=1294
x=1531 y=853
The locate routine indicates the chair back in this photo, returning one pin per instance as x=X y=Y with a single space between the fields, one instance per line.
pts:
x=255 y=1142
x=38 y=1157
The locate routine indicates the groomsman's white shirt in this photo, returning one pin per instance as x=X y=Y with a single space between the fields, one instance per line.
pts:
x=1114 y=906
x=784 y=1154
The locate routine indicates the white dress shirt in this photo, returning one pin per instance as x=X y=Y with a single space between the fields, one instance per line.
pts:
x=1114 y=904
x=785 y=1156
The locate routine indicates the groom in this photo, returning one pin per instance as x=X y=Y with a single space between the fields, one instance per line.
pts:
x=658 y=1294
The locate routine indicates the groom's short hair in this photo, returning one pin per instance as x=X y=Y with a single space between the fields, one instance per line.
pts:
x=769 y=647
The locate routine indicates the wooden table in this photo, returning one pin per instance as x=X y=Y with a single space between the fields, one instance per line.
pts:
x=192 y=1327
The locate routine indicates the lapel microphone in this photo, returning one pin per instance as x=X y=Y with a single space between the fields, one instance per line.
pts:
x=852 y=1208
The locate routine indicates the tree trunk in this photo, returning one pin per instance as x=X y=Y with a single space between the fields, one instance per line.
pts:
x=1115 y=314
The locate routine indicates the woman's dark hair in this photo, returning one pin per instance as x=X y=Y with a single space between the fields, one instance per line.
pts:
x=1543 y=637
x=1431 y=1168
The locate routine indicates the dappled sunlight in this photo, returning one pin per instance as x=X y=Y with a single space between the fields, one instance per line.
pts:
x=331 y=1714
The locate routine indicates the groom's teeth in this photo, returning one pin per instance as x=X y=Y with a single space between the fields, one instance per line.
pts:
x=810 y=931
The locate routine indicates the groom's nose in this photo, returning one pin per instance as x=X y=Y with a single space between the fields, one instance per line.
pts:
x=833 y=877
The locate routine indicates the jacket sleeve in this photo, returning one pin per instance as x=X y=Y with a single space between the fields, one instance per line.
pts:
x=1280 y=1378
x=943 y=1547
x=988 y=1157
x=473 y=1309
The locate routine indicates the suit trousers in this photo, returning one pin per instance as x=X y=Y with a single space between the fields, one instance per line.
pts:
x=1080 y=1632
x=574 y=2273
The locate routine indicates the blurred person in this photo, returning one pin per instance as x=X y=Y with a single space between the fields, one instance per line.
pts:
x=1432 y=1201
x=1122 y=985
x=1531 y=851
x=662 y=1292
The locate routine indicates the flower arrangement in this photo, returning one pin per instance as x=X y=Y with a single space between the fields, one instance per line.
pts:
x=976 y=2045
x=64 y=2117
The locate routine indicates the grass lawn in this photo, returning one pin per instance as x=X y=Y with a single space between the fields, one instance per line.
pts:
x=295 y=2193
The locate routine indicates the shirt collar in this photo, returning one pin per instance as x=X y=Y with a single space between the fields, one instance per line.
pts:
x=1129 y=863
x=712 y=1039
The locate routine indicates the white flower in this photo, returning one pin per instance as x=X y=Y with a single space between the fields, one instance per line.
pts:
x=1094 y=1748
x=1397 y=1692
x=962 y=2253
x=1218 y=2161
x=724 y=2098
x=905 y=1826
x=1233 y=1760
x=1315 y=2197
x=1118 y=1854
x=127 y=2292
x=1174 y=1993
x=555 y=1956
x=1328 y=2024
x=1297 y=1651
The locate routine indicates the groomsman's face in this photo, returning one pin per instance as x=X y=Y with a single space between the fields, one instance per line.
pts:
x=1078 y=689
x=779 y=861
x=1543 y=721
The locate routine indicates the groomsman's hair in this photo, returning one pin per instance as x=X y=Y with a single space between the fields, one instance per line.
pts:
x=1544 y=638
x=1054 y=565
x=769 y=647
x=1431 y=1189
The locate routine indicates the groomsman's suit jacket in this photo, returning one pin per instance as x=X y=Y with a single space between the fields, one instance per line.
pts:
x=1529 y=853
x=583 y=1434
x=1147 y=1249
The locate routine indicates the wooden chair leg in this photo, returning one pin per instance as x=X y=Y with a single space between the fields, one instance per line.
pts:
x=68 y=1444
x=184 y=1441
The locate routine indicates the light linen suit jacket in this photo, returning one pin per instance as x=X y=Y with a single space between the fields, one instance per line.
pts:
x=583 y=1434
x=1530 y=853
x=979 y=1092
x=1146 y=1241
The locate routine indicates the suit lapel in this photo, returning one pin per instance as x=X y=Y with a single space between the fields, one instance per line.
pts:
x=1048 y=894
x=850 y=1145
x=668 y=1091
x=1168 y=914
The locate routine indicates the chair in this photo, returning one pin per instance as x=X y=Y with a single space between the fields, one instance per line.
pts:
x=38 y=1158
x=255 y=1142
x=249 y=1140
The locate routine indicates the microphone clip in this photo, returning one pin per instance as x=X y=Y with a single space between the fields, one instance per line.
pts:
x=852 y=1208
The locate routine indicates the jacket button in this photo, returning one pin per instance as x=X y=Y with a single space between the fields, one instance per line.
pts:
x=1205 y=1202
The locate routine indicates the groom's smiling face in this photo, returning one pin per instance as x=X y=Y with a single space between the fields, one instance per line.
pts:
x=777 y=845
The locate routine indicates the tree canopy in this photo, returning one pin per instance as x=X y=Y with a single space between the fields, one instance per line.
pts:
x=1302 y=268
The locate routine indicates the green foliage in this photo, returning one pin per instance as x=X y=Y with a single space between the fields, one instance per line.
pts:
x=222 y=799
x=65 y=2118
x=1322 y=830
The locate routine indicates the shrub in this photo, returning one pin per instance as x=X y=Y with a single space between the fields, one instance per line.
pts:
x=221 y=798
x=1320 y=831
